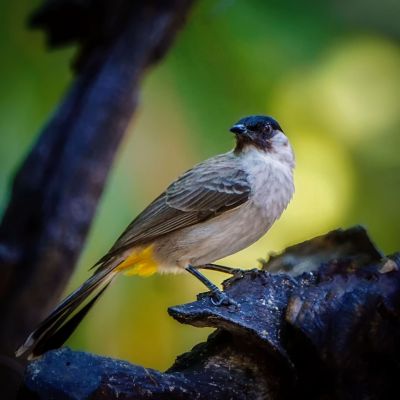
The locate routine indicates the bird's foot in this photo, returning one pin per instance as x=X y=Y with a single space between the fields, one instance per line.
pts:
x=236 y=272
x=219 y=298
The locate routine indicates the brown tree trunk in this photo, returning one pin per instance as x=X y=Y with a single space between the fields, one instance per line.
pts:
x=56 y=190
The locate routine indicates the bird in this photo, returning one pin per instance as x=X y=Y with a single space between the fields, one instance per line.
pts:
x=215 y=209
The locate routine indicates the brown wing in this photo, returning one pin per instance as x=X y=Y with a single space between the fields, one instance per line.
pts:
x=203 y=192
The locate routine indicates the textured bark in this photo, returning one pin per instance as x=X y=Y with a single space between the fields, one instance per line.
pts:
x=327 y=328
x=56 y=190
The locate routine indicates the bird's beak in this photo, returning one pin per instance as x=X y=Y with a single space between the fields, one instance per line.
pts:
x=239 y=129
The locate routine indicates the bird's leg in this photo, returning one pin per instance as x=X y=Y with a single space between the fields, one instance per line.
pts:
x=218 y=298
x=222 y=268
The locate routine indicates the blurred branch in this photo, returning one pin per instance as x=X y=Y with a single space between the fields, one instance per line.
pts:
x=328 y=333
x=56 y=190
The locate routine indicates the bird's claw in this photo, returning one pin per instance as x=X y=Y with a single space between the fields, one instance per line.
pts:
x=238 y=273
x=222 y=299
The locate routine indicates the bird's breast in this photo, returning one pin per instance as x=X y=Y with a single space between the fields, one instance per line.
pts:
x=271 y=183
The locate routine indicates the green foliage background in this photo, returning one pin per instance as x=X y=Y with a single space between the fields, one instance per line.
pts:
x=328 y=71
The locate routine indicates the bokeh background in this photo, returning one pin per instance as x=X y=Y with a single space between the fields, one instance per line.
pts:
x=328 y=71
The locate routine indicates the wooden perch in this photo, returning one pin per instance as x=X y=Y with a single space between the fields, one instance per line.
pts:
x=56 y=190
x=330 y=331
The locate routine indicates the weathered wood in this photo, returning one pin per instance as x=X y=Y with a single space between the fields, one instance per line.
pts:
x=331 y=332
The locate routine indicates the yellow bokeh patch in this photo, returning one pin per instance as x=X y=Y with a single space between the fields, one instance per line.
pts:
x=139 y=262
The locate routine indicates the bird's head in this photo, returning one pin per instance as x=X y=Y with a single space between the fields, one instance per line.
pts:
x=261 y=132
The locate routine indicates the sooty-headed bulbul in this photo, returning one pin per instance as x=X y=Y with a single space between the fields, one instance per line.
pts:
x=215 y=209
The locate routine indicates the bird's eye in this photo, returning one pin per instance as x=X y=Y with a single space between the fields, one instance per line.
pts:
x=267 y=129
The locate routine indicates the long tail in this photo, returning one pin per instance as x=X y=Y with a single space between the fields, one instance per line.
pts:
x=60 y=324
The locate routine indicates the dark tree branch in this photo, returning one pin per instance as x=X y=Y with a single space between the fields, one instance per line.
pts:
x=56 y=190
x=329 y=333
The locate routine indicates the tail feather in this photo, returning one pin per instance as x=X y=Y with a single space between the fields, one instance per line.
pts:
x=60 y=324
x=57 y=337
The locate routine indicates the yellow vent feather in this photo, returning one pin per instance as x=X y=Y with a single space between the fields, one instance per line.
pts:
x=139 y=262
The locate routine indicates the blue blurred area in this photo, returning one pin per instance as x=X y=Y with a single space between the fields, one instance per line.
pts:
x=328 y=71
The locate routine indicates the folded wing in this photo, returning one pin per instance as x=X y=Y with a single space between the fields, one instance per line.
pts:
x=205 y=191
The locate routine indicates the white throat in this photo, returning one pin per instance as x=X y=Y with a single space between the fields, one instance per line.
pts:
x=281 y=151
